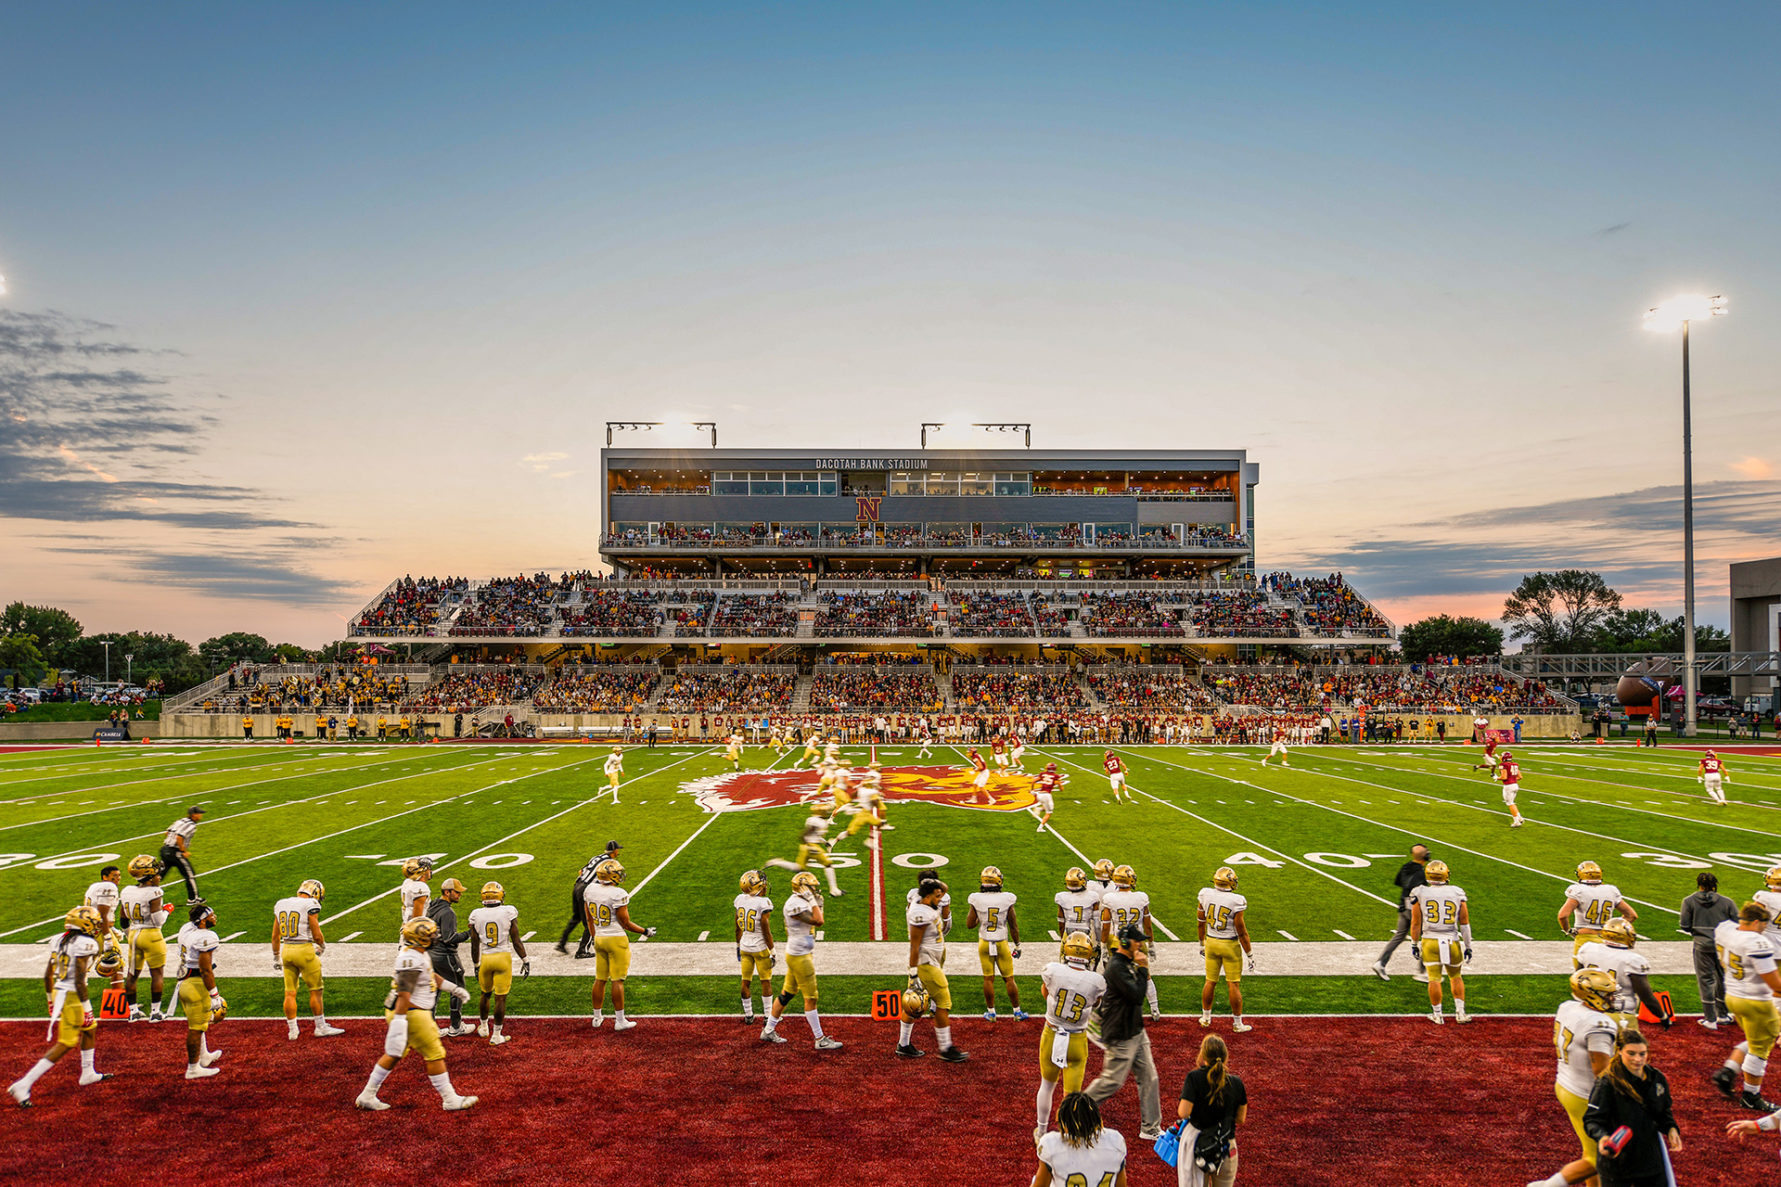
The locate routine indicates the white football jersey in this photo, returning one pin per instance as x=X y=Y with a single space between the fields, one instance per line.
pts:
x=1439 y=904
x=1576 y=1031
x=494 y=927
x=413 y=889
x=603 y=902
x=411 y=963
x=1081 y=910
x=1595 y=904
x=104 y=894
x=291 y=915
x=192 y=941
x=927 y=918
x=1772 y=900
x=1100 y=1161
x=64 y=956
x=800 y=934
x=1122 y=907
x=992 y=913
x=1623 y=963
x=752 y=913
x=1220 y=909
x=138 y=907
x=1070 y=995
x=1745 y=956
x=816 y=829
x=1102 y=888
x=615 y=764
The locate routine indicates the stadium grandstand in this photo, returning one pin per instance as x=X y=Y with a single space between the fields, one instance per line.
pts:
x=1088 y=586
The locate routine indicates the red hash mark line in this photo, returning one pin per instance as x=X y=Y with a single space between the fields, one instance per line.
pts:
x=701 y=1101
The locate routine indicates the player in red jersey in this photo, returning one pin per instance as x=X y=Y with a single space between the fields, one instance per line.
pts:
x=1049 y=782
x=1713 y=778
x=1509 y=775
x=980 y=775
x=1490 y=756
x=1116 y=777
x=1278 y=748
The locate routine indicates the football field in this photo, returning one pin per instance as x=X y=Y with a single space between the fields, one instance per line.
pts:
x=1316 y=845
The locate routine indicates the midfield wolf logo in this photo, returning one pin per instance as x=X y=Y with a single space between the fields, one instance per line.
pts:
x=747 y=790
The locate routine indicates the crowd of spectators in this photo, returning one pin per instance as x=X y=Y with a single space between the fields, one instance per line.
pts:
x=1411 y=689
x=1331 y=607
x=773 y=615
x=410 y=607
x=605 y=611
x=515 y=606
x=268 y=690
x=1113 y=615
x=597 y=688
x=854 y=689
x=744 y=689
x=461 y=692
x=998 y=615
x=1239 y=612
x=862 y=615
x=1147 y=689
x=1006 y=689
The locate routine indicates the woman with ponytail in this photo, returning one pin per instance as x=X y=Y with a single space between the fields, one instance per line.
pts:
x=1213 y=1103
x=1631 y=1119
x=1080 y=1150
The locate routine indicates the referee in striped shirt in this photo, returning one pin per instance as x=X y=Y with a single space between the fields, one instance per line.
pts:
x=176 y=848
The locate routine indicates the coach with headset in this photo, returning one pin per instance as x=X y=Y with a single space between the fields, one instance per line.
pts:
x=578 y=909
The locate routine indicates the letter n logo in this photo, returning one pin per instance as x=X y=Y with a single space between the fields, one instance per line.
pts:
x=867 y=508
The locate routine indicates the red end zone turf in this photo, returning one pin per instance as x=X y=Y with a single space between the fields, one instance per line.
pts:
x=702 y=1101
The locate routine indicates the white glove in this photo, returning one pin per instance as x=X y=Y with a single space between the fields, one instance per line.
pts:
x=459 y=992
x=649 y=933
x=1251 y=963
x=396 y=1041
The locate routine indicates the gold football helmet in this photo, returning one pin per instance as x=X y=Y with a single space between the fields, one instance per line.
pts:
x=916 y=1000
x=492 y=893
x=1589 y=873
x=144 y=866
x=991 y=876
x=1079 y=948
x=1619 y=931
x=418 y=867
x=1125 y=877
x=609 y=872
x=313 y=888
x=420 y=933
x=1436 y=872
x=83 y=919
x=804 y=882
x=753 y=883
x=1103 y=870
x=111 y=959
x=1772 y=879
x=1225 y=878
x=1075 y=879
x=1594 y=988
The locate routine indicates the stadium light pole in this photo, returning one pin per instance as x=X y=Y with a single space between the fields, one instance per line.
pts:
x=929 y=424
x=106 y=643
x=708 y=424
x=1678 y=313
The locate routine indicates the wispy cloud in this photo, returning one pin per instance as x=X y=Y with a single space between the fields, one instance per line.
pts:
x=1611 y=229
x=1754 y=467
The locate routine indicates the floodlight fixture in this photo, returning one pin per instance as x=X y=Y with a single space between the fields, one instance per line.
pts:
x=630 y=426
x=1026 y=430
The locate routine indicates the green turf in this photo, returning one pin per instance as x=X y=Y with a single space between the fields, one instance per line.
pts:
x=264 y=997
x=79 y=711
x=1316 y=844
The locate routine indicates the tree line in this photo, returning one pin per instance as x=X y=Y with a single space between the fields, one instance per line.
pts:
x=1569 y=612
x=42 y=641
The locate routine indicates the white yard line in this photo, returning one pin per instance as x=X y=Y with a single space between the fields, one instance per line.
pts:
x=1414 y=833
x=1322 y=873
x=286 y=761
x=664 y=864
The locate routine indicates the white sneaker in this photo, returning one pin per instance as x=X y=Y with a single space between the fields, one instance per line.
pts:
x=87 y=1078
x=1379 y=971
x=989 y=1015
x=1516 y=823
x=1040 y=829
x=1707 y=1022
x=482 y=1027
x=19 y=1094
x=368 y=1100
x=136 y=1014
x=496 y=1039
x=459 y=1103
x=1461 y=1017
x=1436 y=1018
x=209 y=1058
x=828 y=1043
x=623 y=1024
x=291 y=1032
x=198 y=1073
x=1206 y=1018
x=155 y=1016
x=1241 y=1027
x=324 y=1030
x=598 y=1018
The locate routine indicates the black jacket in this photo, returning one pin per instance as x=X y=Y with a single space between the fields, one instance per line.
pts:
x=440 y=912
x=1122 y=1006
x=1410 y=875
x=1650 y=1117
